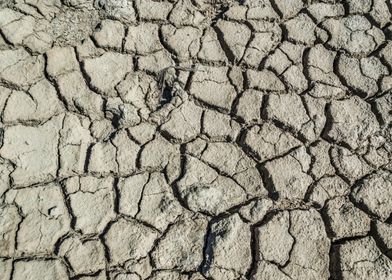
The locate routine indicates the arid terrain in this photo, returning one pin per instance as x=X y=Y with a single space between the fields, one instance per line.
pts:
x=195 y=139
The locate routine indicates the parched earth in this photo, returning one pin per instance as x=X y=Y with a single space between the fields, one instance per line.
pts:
x=195 y=139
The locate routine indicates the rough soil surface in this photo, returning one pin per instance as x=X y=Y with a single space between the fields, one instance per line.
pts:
x=195 y=139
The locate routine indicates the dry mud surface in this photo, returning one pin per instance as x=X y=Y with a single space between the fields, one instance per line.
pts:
x=195 y=139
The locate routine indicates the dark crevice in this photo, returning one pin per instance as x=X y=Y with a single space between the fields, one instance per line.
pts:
x=376 y=112
x=117 y=195
x=226 y=49
x=268 y=182
x=328 y=123
x=174 y=185
x=67 y=203
x=88 y=157
x=208 y=252
x=54 y=83
x=254 y=253
x=335 y=270
x=382 y=246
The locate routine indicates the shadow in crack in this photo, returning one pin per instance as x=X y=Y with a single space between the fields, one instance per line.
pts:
x=167 y=96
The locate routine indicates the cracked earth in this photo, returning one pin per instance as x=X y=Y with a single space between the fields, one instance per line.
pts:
x=195 y=139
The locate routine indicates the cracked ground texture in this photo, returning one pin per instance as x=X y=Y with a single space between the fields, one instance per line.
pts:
x=195 y=139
